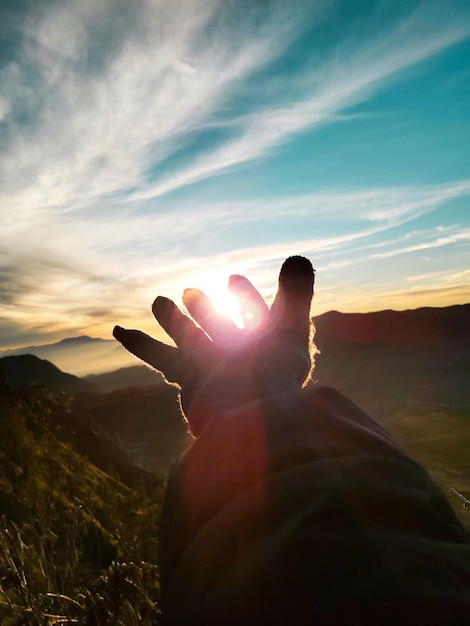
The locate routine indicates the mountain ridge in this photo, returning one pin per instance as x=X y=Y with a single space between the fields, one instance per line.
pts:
x=79 y=356
x=417 y=326
x=446 y=329
x=435 y=317
x=25 y=370
x=61 y=343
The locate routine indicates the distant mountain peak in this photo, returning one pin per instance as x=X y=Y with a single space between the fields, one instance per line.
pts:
x=27 y=358
x=23 y=370
x=77 y=340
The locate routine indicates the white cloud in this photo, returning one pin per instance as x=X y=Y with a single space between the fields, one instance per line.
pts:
x=112 y=96
x=441 y=276
x=109 y=101
x=461 y=236
x=126 y=239
x=346 y=79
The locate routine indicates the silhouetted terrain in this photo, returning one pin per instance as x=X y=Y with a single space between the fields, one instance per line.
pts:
x=425 y=326
x=79 y=355
x=26 y=370
x=387 y=359
x=409 y=369
x=71 y=503
x=134 y=376
x=145 y=421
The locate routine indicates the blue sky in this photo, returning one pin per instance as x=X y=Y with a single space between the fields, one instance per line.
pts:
x=148 y=146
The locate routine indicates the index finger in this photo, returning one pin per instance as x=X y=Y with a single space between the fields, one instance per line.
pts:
x=162 y=357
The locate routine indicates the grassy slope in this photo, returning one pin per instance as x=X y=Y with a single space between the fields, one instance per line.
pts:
x=440 y=440
x=77 y=541
x=42 y=472
x=146 y=421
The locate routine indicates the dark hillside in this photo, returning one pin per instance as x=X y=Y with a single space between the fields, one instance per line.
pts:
x=134 y=376
x=101 y=451
x=65 y=518
x=146 y=421
x=43 y=450
x=26 y=370
x=425 y=326
x=387 y=359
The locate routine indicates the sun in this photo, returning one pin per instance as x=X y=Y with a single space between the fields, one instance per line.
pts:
x=227 y=305
x=215 y=285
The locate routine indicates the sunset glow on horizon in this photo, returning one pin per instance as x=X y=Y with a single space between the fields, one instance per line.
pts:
x=146 y=147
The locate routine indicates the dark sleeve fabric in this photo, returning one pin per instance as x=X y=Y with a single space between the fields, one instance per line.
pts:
x=302 y=510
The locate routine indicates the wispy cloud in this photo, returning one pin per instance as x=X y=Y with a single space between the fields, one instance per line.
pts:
x=98 y=92
x=461 y=236
x=441 y=276
x=106 y=238
x=344 y=80
x=100 y=95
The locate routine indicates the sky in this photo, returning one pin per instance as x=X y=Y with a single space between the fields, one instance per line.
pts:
x=147 y=146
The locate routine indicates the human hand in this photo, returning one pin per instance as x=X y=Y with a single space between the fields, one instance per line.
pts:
x=220 y=367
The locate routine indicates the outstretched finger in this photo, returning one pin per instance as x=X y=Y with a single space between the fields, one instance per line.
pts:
x=165 y=359
x=253 y=308
x=290 y=312
x=219 y=328
x=181 y=329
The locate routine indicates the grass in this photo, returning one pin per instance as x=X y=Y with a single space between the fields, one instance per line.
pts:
x=41 y=574
x=439 y=438
x=77 y=544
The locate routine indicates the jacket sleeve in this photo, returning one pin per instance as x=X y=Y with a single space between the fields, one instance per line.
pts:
x=302 y=509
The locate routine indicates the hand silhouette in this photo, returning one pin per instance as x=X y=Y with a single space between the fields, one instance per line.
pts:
x=220 y=367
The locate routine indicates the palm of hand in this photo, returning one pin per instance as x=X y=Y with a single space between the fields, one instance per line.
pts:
x=220 y=367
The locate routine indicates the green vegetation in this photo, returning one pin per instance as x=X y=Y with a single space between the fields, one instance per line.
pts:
x=77 y=544
x=439 y=438
x=146 y=421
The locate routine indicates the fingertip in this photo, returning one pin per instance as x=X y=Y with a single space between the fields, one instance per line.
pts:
x=251 y=304
x=297 y=275
x=197 y=304
x=161 y=304
x=235 y=277
x=118 y=332
x=297 y=265
x=240 y=286
x=236 y=281
x=191 y=295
